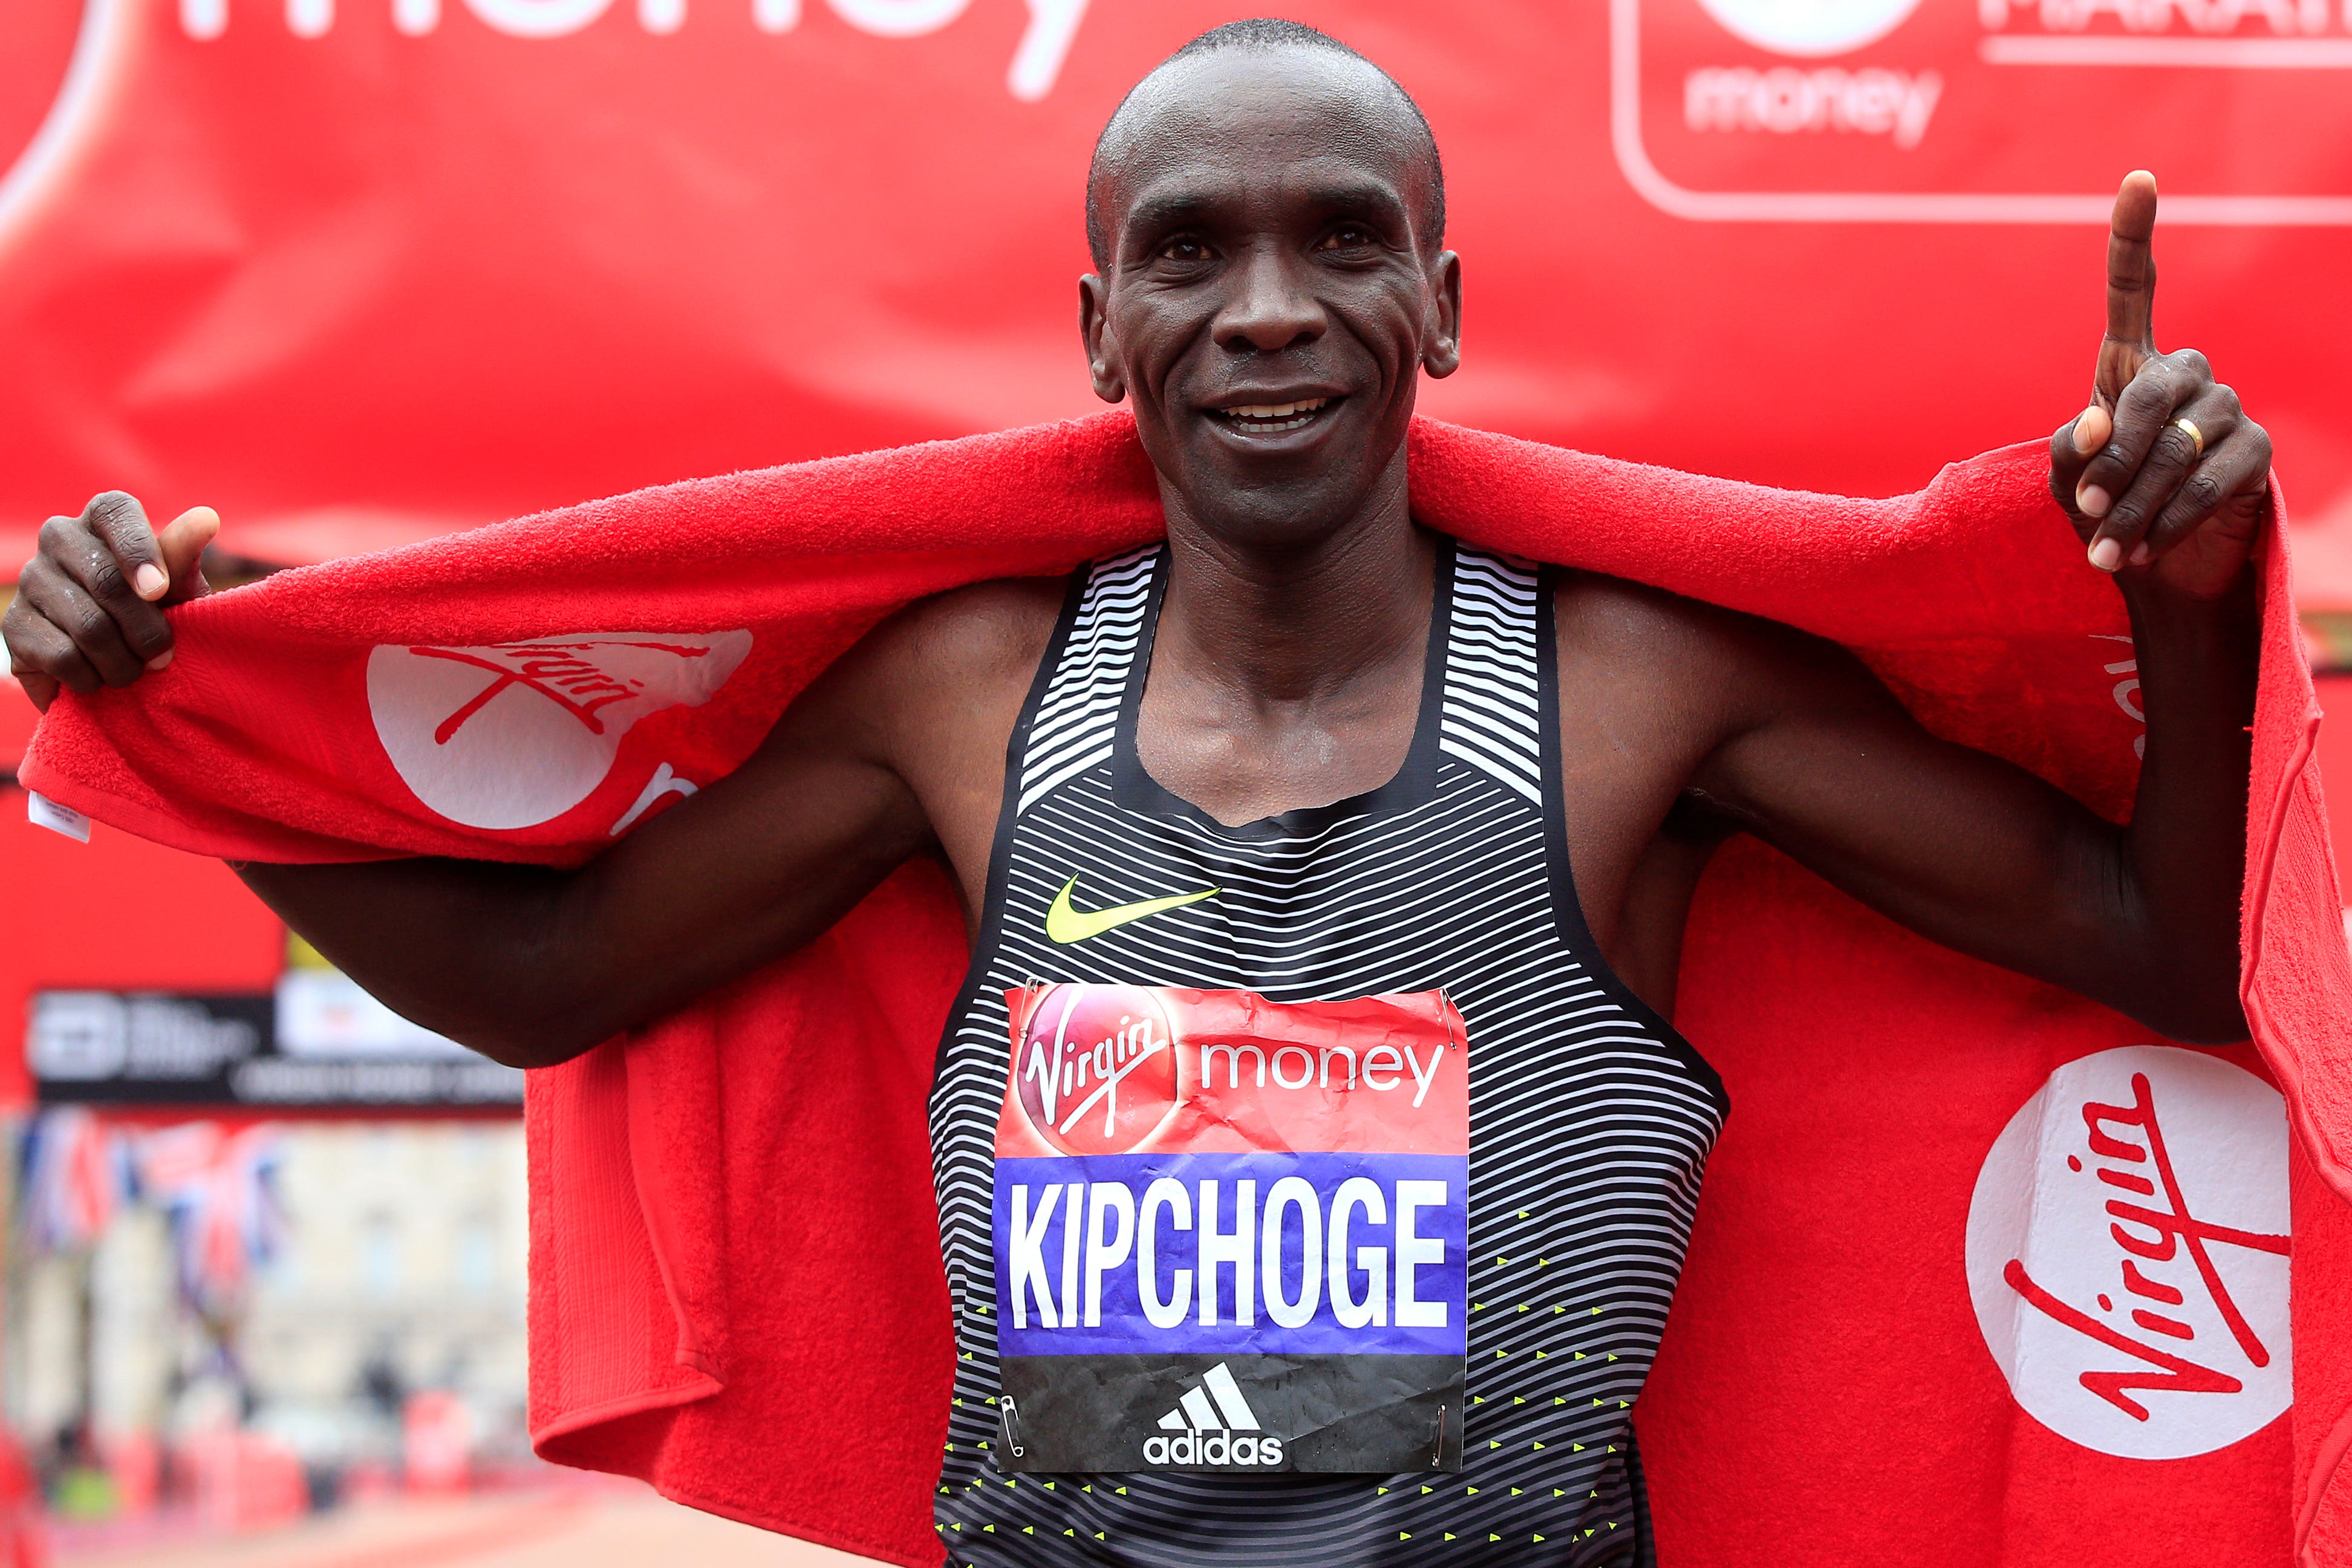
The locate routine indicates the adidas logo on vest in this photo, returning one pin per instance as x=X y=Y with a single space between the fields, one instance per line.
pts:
x=1213 y=1434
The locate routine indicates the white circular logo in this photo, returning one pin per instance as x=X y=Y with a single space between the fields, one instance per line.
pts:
x=515 y=734
x=1809 y=28
x=2127 y=1253
x=59 y=67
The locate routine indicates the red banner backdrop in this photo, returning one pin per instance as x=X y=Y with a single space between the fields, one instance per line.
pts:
x=351 y=269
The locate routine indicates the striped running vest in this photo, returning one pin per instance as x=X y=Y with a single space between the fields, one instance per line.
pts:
x=1591 y=1119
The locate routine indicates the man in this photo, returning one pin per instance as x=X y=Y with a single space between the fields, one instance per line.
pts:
x=1306 y=756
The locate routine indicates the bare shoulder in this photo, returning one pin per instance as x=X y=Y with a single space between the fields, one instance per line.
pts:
x=984 y=632
x=1696 y=657
x=961 y=642
x=937 y=683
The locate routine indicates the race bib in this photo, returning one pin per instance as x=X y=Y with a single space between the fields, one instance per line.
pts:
x=1231 y=1233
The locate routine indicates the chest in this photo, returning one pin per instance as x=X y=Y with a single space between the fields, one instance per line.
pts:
x=1628 y=741
x=1442 y=883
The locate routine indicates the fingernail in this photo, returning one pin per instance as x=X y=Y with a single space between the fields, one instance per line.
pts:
x=150 y=582
x=2084 y=445
x=159 y=660
x=2092 y=501
x=2141 y=555
x=2106 y=555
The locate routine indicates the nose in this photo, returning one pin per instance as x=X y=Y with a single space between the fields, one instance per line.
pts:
x=1270 y=308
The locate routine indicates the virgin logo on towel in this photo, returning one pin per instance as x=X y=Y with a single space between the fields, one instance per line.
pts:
x=2127 y=1253
x=512 y=735
x=1096 y=1067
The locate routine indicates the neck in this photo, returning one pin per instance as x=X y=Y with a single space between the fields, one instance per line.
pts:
x=1299 y=620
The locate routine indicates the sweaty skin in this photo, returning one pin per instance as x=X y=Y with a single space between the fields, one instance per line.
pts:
x=1265 y=215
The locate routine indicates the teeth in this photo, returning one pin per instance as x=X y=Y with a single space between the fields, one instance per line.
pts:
x=1275 y=409
x=1273 y=418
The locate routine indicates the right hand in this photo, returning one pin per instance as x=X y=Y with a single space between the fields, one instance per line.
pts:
x=89 y=608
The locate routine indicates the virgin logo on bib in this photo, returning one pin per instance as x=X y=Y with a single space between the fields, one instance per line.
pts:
x=1231 y=1233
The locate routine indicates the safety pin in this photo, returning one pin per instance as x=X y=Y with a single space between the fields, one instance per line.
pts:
x=1437 y=1454
x=1012 y=1433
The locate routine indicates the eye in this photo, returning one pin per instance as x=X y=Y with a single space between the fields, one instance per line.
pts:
x=1347 y=236
x=1184 y=249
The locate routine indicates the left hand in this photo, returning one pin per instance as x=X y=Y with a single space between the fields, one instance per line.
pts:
x=2146 y=497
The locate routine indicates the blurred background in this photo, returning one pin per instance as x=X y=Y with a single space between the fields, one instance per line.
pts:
x=359 y=272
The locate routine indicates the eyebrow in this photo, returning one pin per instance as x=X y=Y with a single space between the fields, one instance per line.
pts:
x=1167 y=212
x=1157 y=213
x=1379 y=199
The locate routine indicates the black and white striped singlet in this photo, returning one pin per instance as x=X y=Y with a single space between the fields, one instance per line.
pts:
x=1591 y=1118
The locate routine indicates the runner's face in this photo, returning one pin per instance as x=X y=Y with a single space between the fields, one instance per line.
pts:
x=1269 y=301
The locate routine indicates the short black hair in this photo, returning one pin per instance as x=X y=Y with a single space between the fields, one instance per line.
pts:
x=1262 y=35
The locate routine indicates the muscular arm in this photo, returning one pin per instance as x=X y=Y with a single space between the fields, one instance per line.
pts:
x=2166 y=483
x=896 y=751
x=1817 y=759
x=532 y=965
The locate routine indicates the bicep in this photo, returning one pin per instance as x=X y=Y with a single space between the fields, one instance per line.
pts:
x=760 y=861
x=1963 y=847
x=532 y=964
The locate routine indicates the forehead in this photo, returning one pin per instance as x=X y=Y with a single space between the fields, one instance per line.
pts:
x=1263 y=125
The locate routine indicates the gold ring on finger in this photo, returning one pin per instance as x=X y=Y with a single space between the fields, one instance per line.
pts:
x=2188 y=427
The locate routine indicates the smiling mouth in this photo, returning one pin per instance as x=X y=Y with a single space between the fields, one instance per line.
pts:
x=1273 y=418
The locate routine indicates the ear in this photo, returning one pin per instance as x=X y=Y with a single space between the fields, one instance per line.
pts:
x=1093 y=331
x=1441 y=353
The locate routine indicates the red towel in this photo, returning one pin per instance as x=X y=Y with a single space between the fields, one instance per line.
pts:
x=736 y=1283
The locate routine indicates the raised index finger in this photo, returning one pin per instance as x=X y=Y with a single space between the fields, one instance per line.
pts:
x=2131 y=285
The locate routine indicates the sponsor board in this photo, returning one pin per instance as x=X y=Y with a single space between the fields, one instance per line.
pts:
x=318 y=1043
x=1231 y=1234
x=1923 y=110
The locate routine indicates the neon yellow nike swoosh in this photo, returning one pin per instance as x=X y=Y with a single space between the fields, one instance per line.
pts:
x=1065 y=924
